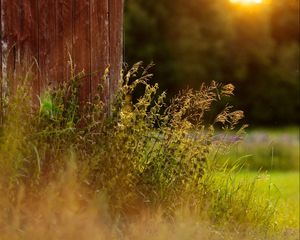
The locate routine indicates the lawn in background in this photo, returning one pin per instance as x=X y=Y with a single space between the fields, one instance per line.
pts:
x=268 y=149
x=271 y=156
x=283 y=186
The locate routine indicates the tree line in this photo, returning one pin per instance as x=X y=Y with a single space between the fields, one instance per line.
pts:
x=194 y=41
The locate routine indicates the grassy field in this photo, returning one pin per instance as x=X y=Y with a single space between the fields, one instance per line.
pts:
x=272 y=158
x=68 y=174
x=268 y=149
x=285 y=187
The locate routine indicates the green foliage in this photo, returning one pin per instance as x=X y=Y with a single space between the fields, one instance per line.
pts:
x=138 y=155
x=278 y=183
x=267 y=149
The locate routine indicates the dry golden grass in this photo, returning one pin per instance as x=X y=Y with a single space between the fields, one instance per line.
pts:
x=65 y=210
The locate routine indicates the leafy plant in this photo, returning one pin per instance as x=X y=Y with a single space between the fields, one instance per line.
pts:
x=139 y=155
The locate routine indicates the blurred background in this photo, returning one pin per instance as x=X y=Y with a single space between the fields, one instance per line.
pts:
x=253 y=44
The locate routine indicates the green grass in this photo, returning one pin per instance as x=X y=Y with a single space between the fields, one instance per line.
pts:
x=268 y=149
x=145 y=165
x=276 y=131
x=285 y=187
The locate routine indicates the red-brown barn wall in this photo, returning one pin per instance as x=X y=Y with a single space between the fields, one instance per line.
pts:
x=43 y=34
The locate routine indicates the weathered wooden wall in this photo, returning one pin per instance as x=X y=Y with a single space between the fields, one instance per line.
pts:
x=47 y=32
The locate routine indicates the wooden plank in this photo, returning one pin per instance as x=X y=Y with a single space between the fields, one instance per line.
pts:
x=10 y=43
x=81 y=44
x=1 y=36
x=48 y=30
x=28 y=32
x=5 y=46
x=19 y=40
x=47 y=43
x=1 y=79
x=99 y=46
x=64 y=10
x=116 y=43
x=28 y=42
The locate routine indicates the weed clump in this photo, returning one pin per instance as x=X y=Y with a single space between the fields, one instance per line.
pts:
x=140 y=155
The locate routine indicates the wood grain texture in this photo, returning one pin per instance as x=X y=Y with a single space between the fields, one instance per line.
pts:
x=116 y=43
x=29 y=44
x=28 y=32
x=64 y=21
x=10 y=25
x=1 y=75
x=47 y=43
x=82 y=45
x=99 y=46
x=49 y=32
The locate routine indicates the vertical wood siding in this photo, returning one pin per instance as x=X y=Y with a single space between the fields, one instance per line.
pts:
x=44 y=35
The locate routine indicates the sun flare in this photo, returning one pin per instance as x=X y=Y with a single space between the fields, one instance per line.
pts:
x=247 y=2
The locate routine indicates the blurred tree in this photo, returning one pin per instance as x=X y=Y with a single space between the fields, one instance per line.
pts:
x=193 y=41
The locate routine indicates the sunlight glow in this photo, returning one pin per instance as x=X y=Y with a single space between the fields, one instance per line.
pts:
x=247 y=2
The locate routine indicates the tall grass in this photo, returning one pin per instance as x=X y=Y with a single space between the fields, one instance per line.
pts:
x=87 y=172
